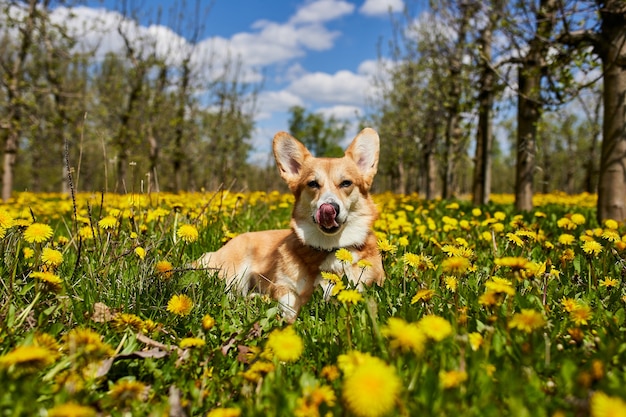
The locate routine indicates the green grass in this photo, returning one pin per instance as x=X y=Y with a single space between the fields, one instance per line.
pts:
x=563 y=365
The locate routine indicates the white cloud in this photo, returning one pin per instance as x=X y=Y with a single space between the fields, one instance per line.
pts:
x=269 y=102
x=343 y=87
x=341 y=112
x=320 y=11
x=381 y=7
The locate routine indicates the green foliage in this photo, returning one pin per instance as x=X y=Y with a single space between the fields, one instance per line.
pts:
x=529 y=311
x=319 y=134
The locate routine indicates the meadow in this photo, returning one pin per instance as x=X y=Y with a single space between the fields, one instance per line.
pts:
x=485 y=312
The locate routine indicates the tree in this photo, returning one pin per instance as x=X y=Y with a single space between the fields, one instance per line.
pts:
x=319 y=134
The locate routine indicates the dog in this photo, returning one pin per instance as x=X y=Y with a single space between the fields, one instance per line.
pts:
x=333 y=209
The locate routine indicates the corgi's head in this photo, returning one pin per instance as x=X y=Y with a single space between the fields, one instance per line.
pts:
x=333 y=208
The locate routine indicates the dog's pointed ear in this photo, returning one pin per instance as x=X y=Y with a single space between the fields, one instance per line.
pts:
x=364 y=151
x=290 y=155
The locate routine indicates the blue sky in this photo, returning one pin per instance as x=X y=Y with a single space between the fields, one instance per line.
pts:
x=320 y=54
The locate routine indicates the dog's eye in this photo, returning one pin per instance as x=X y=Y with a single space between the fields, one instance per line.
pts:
x=345 y=184
x=313 y=184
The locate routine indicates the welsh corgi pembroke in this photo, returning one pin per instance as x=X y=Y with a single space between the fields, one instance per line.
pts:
x=333 y=209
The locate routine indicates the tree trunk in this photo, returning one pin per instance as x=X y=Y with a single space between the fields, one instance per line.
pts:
x=529 y=105
x=612 y=182
x=484 y=134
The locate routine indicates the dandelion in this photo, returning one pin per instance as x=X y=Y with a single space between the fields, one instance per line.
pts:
x=87 y=343
x=71 y=409
x=164 y=269
x=581 y=314
x=344 y=255
x=475 y=340
x=455 y=265
x=404 y=336
x=180 y=304
x=51 y=280
x=602 y=405
x=452 y=379
x=435 y=327
x=513 y=262
x=565 y=223
x=330 y=372
x=224 y=412
x=371 y=389
x=451 y=283
x=609 y=282
x=500 y=286
x=6 y=220
x=140 y=252
x=28 y=253
x=27 y=358
x=312 y=397
x=578 y=219
x=124 y=321
x=349 y=296
x=286 y=345
x=569 y=304
x=527 y=320
x=385 y=246
x=208 y=322
x=513 y=238
x=126 y=391
x=489 y=298
x=188 y=233
x=47 y=341
x=591 y=247
x=108 y=222
x=51 y=257
x=419 y=262
x=191 y=342
x=37 y=233
x=364 y=264
x=422 y=295
x=257 y=371
x=566 y=239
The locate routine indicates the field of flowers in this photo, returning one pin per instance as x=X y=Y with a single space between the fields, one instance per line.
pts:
x=485 y=312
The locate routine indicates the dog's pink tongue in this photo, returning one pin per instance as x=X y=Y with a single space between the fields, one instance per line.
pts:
x=326 y=216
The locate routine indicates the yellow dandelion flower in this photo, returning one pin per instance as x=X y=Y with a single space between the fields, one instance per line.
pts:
x=330 y=372
x=527 y=320
x=51 y=257
x=71 y=409
x=513 y=238
x=188 y=233
x=451 y=283
x=140 y=252
x=578 y=219
x=37 y=233
x=286 y=345
x=124 y=321
x=591 y=247
x=191 y=342
x=455 y=265
x=150 y=326
x=344 y=255
x=565 y=223
x=609 y=282
x=6 y=220
x=180 y=304
x=364 y=264
x=28 y=253
x=566 y=239
x=52 y=280
x=404 y=336
x=47 y=341
x=208 y=322
x=224 y=412
x=435 y=327
x=476 y=212
x=581 y=314
x=500 y=286
x=452 y=379
x=371 y=389
x=611 y=235
x=423 y=295
x=164 y=269
x=475 y=340
x=489 y=298
x=108 y=222
x=27 y=358
x=126 y=391
x=569 y=304
x=349 y=296
x=330 y=276
x=602 y=405
x=87 y=343
x=385 y=246
x=420 y=262
x=513 y=262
